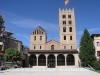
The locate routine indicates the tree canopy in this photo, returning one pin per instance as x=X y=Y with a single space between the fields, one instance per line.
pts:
x=10 y=52
x=87 y=49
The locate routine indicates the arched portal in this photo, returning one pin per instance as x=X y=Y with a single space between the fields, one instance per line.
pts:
x=60 y=60
x=32 y=60
x=42 y=60
x=51 y=61
x=70 y=59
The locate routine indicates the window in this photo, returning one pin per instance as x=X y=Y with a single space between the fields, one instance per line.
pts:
x=64 y=47
x=33 y=32
x=64 y=37
x=40 y=37
x=52 y=47
x=98 y=53
x=69 y=16
x=70 y=29
x=40 y=47
x=71 y=47
x=42 y=32
x=70 y=22
x=98 y=43
x=70 y=37
x=64 y=22
x=64 y=29
x=34 y=37
x=63 y=16
x=34 y=47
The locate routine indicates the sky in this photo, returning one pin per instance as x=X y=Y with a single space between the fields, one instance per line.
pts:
x=23 y=16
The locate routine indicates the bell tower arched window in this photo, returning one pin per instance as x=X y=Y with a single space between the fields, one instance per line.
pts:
x=64 y=29
x=64 y=37
x=34 y=37
x=70 y=29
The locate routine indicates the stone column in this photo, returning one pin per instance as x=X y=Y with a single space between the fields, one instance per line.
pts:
x=46 y=55
x=37 y=58
x=76 y=59
x=56 y=60
x=65 y=59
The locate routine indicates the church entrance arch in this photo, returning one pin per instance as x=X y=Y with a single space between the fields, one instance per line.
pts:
x=42 y=60
x=32 y=60
x=60 y=60
x=51 y=61
x=70 y=60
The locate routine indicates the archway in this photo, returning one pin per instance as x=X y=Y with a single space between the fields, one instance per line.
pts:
x=70 y=59
x=60 y=60
x=32 y=60
x=51 y=61
x=42 y=60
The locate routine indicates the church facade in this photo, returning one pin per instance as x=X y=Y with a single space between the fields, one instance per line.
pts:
x=54 y=54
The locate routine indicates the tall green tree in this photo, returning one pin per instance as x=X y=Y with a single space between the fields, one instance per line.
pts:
x=10 y=52
x=87 y=49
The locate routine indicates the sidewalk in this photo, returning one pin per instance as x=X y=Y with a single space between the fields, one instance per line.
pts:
x=49 y=71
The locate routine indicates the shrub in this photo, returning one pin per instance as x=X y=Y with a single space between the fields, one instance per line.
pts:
x=96 y=65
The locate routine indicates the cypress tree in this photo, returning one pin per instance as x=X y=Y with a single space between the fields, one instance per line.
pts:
x=87 y=49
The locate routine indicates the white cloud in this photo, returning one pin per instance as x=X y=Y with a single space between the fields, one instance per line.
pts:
x=93 y=29
x=90 y=30
x=29 y=23
x=22 y=35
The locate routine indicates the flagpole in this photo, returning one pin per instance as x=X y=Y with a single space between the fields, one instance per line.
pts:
x=66 y=2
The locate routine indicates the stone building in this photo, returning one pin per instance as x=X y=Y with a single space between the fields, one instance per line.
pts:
x=96 y=39
x=7 y=41
x=52 y=53
x=12 y=42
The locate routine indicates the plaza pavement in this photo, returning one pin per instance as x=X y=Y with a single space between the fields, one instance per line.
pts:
x=48 y=71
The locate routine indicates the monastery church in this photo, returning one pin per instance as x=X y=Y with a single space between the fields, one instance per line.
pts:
x=54 y=54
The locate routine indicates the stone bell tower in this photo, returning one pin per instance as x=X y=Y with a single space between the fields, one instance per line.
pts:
x=67 y=29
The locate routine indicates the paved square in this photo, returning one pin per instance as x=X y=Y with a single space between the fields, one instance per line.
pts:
x=48 y=71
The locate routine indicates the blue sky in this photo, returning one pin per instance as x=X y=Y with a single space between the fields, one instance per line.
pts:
x=23 y=16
